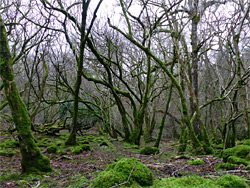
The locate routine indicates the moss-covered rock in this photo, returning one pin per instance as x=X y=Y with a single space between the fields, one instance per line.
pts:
x=108 y=179
x=230 y=181
x=85 y=147
x=118 y=172
x=149 y=150
x=77 y=151
x=238 y=151
x=186 y=181
x=228 y=166
x=237 y=160
x=52 y=149
x=196 y=162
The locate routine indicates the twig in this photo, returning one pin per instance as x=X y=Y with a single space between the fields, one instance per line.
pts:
x=127 y=179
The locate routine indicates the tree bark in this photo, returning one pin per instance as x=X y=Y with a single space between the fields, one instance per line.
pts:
x=32 y=159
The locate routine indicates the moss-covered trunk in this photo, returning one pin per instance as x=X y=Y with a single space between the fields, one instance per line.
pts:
x=32 y=159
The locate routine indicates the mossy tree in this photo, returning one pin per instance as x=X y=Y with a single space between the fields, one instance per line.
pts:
x=32 y=159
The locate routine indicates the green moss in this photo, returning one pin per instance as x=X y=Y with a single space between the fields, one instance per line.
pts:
x=196 y=162
x=77 y=151
x=230 y=181
x=44 y=142
x=248 y=167
x=83 y=142
x=52 y=149
x=8 y=177
x=108 y=179
x=64 y=136
x=246 y=142
x=10 y=143
x=7 y=153
x=237 y=160
x=118 y=172
x=239 y=151
x=187 y=182
x=85 y=147
x=149 y=150
x=228 y=166
x=106 y=143
x=38 y=165
x=61 y=152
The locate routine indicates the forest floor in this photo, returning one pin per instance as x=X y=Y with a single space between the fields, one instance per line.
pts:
x=79 y=170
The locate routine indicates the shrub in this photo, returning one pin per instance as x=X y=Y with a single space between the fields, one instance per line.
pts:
x=149 y=150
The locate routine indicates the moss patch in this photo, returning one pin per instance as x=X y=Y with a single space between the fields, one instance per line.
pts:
x=187 y=182
x=196 y=162
x=149 y=150
x=228 y=166
x=52 y=149
x=237 y=160
x=118 y=172
x=10 y=143
x=85 y=147
x=238 y=151
x=231 y=181
x=77 y=151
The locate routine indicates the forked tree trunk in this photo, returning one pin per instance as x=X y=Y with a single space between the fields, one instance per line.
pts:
x=32 y=159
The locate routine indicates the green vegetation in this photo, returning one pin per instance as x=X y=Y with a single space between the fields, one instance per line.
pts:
x=237 y=160
x=149 y=150
x=238 y=151
x=230 y=181
x=85 y=147
x=52 y=149
x=185 y=182
x=227 y=166
x=9 y=143
x=119 y=172
x=77 y=150
x=196 y=162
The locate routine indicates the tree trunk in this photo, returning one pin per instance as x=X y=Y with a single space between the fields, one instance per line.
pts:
x=32 y=159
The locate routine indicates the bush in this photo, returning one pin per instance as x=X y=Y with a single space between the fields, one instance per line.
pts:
x=149 y=150
x=118 y=172
x=196 y=162
x=231 y=181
